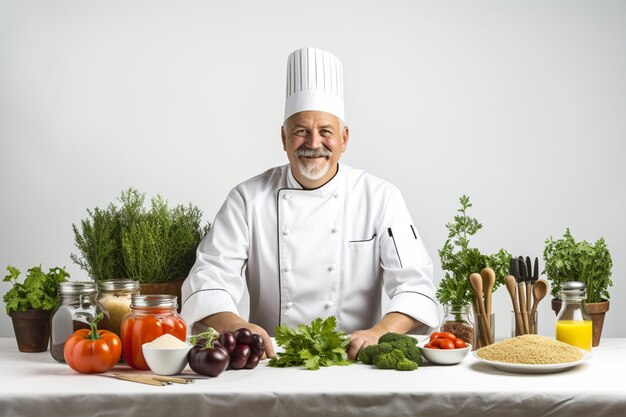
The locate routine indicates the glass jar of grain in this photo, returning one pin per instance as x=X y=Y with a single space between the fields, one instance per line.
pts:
x=115 y=295
x=573 y=323
x=78 y=305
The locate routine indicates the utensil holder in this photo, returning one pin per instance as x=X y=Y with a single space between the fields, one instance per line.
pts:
x=517 y=323
x=484 y=330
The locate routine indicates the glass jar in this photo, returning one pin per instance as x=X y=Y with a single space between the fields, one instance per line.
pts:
x=115 y=296
x=458 y=320
x=151 y=316
x=77 y=307
x=573 y=323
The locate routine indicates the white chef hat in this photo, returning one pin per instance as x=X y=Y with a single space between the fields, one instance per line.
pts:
x=314 y=82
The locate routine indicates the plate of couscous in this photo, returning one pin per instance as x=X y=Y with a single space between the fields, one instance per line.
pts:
x=531 y=354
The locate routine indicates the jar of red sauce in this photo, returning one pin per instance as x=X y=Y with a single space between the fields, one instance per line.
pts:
x=151 y=316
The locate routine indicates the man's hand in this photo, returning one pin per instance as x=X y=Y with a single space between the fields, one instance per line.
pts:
x=230 y=322
x=360 y=339
x=392 y=322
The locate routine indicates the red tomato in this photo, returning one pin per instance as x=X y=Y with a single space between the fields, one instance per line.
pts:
x=91 y=350
x=459 y=344
x=430 y=346
x=442 y=335
x=443 y=343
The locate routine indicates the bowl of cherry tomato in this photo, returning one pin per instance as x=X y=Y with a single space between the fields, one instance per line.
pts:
x=444 y=348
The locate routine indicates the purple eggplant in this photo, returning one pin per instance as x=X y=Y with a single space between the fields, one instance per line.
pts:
x=256 y=345
x=239 y=356
x=208 y=356
x=253 y=361
x=243 y=336
x=227 y=339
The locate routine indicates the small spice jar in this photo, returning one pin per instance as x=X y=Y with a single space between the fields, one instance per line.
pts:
x=115 y=295
x=151 y=316
x=77 y=307
x=573 y=323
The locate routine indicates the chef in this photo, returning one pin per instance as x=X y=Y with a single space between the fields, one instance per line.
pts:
x=315 y=237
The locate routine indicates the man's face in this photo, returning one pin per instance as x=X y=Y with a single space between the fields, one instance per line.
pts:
x=314 y=142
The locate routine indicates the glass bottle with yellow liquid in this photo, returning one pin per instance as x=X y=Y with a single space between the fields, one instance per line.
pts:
x=573 y=323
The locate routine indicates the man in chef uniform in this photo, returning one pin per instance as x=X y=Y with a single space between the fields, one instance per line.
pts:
x=315 y=237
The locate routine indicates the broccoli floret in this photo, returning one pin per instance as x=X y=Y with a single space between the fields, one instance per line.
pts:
x=369 y=353
x=406 y=365
x=366 y=353
x=389 y=360
x=393 y=337
x=393 y=351
x=407 y=344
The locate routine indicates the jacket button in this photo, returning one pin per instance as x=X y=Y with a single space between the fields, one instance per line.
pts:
x=286 y=232
x=329 y=304
x=287 y=196
x=334 y=230
x=336 y=196
x=332 y=267
x=289 y=305
x=286 y=269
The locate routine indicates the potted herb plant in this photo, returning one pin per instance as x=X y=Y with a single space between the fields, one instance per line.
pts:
x=568 y=260
x=459 y=260
x=29 y=304
x=154 y=245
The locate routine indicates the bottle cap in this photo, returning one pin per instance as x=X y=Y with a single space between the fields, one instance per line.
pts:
x=573 y=289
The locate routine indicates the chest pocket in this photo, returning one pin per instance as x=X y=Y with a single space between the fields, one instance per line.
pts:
x=363 y=259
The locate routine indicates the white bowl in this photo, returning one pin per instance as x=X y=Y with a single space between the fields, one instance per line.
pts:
x=166 y=361
x=444 y=356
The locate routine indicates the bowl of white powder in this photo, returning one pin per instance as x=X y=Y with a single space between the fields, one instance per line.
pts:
x=166 y=355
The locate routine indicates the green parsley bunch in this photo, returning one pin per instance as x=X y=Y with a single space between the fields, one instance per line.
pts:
x=311 y=346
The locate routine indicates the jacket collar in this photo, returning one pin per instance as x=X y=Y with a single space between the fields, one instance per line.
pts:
x=328 y=188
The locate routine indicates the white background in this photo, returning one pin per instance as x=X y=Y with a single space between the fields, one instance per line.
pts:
x=519 y=104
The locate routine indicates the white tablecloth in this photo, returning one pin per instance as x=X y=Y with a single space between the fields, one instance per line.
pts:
x=33 y=384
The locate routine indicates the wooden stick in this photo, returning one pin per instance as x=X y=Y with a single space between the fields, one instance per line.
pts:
x=477 y=283
x=528 y=305
x=140 y=379
x=173 y=379
x=522 y=307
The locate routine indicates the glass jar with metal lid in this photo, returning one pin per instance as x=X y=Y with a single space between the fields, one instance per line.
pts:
x=77 y=307
x=115 y=296
x=573 y=323
x=151 y=316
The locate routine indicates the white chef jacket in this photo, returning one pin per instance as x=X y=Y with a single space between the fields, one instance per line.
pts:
x=312 y=253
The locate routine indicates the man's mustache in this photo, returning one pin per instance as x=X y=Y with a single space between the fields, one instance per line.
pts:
x=313 y=153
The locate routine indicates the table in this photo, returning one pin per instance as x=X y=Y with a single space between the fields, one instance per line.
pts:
x=33 y=384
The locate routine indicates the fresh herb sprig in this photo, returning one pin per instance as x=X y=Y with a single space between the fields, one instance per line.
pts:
x=154 y=244
x=459 y=260
x=568 y=260
x=39 y=291
x=311 y=346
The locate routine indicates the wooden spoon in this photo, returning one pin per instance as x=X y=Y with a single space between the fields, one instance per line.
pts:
x=489 y=280
x=511 y=286
x=540 y=289
x=477 y=282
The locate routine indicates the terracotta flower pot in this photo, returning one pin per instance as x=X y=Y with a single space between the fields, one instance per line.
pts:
x=597 y=312
x=32 y=329
x=168 y=288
